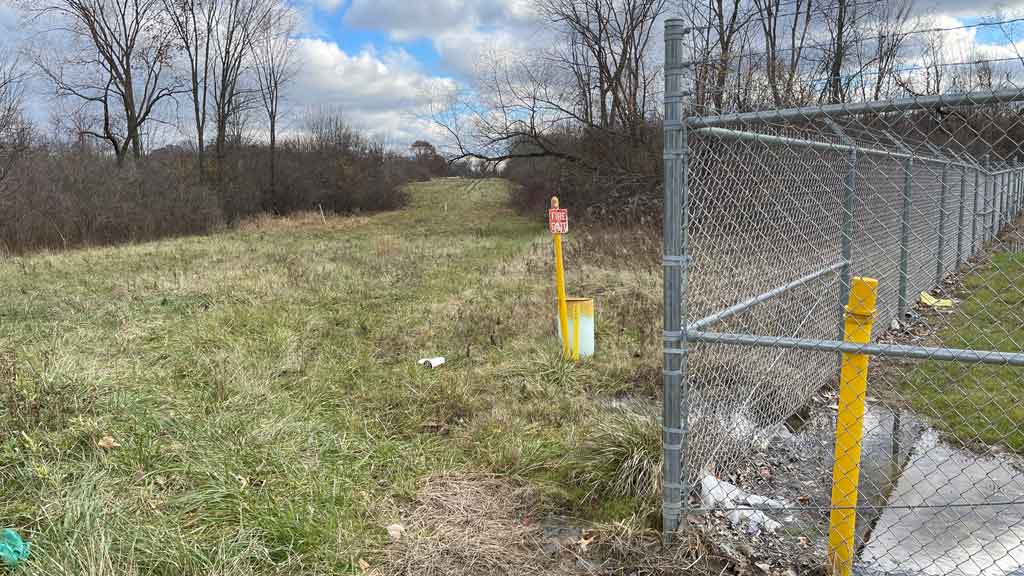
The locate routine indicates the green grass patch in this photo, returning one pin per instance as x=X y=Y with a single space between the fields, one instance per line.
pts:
x=979 y=404
x=263 y=388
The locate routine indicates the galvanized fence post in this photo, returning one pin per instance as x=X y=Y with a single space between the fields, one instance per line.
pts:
x=974 y=210
x=1004 y=211
x=942 y=224
x=988 y=202
x=846 y=242
x=1014 y=184
x=1015 y=205
x=960 y=217
x=1001 y=199
x=997 y=202
x=674 y=491
x=1017 y=190
x=846 y=225
x=908 y=182
x=1008 y=193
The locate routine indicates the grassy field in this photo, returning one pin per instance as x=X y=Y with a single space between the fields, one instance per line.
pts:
x=979 y=404
x=259 y=388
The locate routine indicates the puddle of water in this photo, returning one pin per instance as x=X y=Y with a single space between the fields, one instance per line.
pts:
x=903 y=464
x=888 y=438
x=950 y=538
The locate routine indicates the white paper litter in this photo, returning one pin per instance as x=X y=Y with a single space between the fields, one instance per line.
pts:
x=431 y=362
x=715 y=493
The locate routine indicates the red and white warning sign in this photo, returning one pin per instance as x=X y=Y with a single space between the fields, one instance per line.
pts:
x=558 y=220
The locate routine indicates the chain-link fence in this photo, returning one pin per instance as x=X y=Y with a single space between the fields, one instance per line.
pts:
x=773 y=219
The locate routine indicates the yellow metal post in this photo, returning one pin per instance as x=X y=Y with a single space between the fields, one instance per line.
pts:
x=563 y=316
x=853 y=383
x=576 y=331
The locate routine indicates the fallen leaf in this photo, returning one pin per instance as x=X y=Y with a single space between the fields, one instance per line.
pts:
x=584 y=542
x=108 y=443
x=364 y=565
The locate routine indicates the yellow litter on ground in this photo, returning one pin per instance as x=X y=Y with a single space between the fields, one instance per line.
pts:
x=929 y=300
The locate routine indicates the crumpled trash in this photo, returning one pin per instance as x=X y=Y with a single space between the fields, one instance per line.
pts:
x=933 y=302
x=715 y=493
x=13 y=550
x=395 y=531
x=431 y=362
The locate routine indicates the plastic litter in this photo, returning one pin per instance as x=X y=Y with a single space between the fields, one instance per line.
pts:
x=13 y=550
x=395 y=531
x=431 y=362
x=715 y=493
x=933 y=302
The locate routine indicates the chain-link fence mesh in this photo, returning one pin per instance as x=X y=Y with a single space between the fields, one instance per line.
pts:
x=772 y=215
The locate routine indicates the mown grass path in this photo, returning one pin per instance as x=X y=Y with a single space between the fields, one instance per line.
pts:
x=263 y=388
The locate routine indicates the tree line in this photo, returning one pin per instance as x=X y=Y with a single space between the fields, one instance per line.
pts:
x=582 y=118
x=129 y=78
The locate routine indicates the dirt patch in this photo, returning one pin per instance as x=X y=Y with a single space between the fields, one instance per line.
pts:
x=469 y=524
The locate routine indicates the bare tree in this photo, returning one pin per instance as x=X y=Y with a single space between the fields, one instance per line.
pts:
x=239 y=24
x=118 y=61
x=598 y=77
x=13 y=130
x=194 y=23
x=888 y=29
x=718 y=43
x=785 y=26
x=275 y=67
x=838 y=18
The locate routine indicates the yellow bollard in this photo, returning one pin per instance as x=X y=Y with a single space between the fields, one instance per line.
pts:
x=853 y=383
x=563 y=315
x=576 y=332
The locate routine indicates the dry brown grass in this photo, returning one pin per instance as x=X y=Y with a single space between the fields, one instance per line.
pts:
x=7 y=368
x=471 y=524
x=304 y=221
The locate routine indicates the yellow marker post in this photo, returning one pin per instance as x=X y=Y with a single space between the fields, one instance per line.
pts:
x=576 y=332
x=853 y=384
x=556 y=229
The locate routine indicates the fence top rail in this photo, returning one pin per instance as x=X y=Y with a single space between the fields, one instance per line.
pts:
x=977 y=98
x=892 y=350
x=1003 y=171
x=727 y=133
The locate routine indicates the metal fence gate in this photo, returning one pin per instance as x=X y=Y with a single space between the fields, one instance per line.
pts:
x=769 y=216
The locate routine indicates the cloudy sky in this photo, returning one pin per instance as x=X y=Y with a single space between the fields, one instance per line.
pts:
x=380 y=60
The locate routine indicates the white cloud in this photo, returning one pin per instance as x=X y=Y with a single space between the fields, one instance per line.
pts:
x=461 y=50
x=959 y=8
x=461 y=30
x=405 y=20
x=382 y=94
x=329 y=6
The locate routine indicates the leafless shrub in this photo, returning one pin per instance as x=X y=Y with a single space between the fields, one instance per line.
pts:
x=329 y=166
x=60 y=198
x=64 y=196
